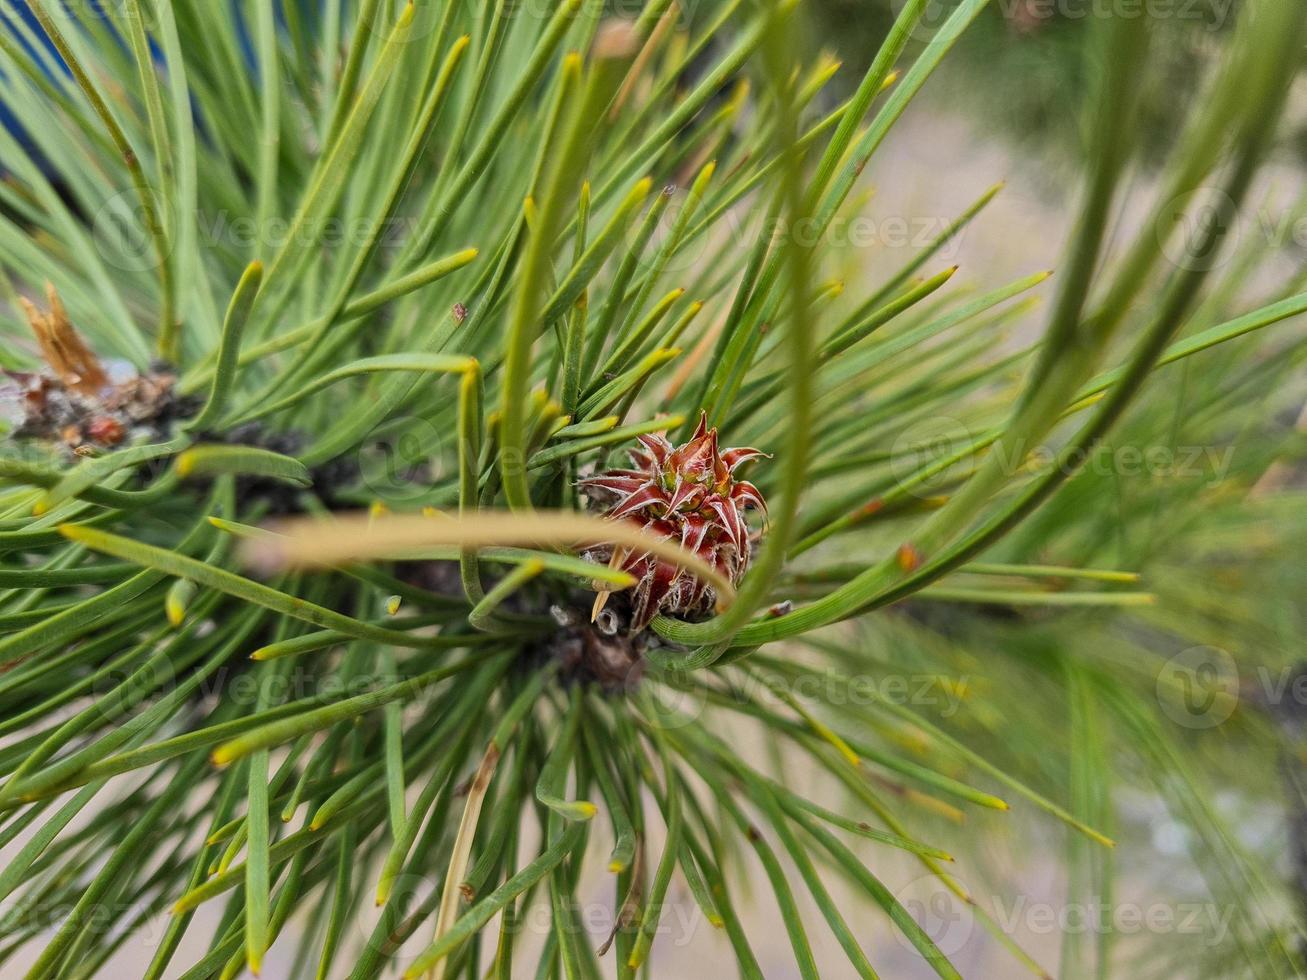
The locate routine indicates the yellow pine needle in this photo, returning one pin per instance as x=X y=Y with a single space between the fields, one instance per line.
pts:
x=641 y=61
x=601 y=599
x=312 y=543
x=236 y=528
x=178 y=600
x=687 y=367
x=462 y=848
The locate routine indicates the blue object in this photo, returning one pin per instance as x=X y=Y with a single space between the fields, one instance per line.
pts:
x=20 y=11
x=14 y=12
x=23 y=12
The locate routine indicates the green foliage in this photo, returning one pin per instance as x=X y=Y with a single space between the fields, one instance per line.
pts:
x=449 y=291
x=1028 y=66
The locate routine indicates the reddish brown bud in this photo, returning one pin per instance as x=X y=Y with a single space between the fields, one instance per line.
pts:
x=689 y=494
x=106 y=430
